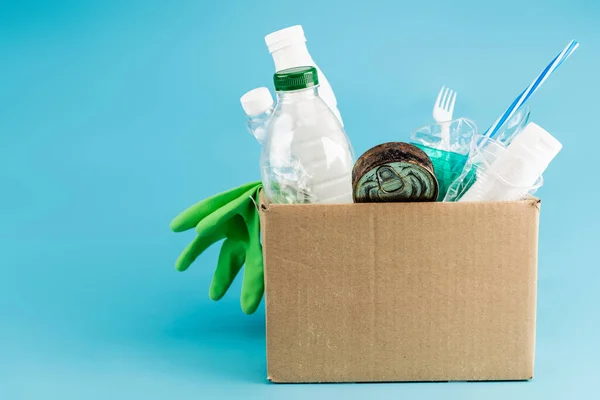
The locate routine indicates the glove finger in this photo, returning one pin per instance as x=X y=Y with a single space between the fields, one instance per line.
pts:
x=231 y=259
x=236 y=229
x=253 y=285
x=224 y=213
x=194 y=214
x=195 y=248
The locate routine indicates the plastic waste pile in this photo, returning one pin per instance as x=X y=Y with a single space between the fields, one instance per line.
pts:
x=306 y=158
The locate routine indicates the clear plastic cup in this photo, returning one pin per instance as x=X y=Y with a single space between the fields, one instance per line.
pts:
x=493 y=173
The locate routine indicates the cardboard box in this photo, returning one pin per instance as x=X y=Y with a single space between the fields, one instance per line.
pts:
x=400 y=291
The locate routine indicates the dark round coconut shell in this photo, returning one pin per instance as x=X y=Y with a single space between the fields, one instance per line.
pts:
x=387 y=155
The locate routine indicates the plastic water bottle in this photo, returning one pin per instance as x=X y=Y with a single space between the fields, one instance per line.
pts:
x=288 y=48
x=258 y=106
x=307 y=157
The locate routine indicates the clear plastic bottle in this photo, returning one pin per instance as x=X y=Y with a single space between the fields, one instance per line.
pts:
x=307 y=157
x=258 y=106
x=288 y=48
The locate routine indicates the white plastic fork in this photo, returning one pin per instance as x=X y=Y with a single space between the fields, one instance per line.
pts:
x=442 y=114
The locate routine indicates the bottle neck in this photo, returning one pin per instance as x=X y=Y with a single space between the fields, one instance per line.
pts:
x=298 y=95
x=294 y=55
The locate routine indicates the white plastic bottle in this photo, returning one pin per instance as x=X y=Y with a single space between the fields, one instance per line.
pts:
x=307 y=157
x=288 y=48
x=258 y=106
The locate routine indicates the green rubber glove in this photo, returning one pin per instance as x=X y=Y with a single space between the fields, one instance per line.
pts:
x=231 y=215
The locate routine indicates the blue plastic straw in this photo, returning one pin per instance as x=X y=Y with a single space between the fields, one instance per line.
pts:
x=522 y=98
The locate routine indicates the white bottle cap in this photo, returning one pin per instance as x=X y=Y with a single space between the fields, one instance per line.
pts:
x=285 y=37
x=536 y=144
x=257 y=101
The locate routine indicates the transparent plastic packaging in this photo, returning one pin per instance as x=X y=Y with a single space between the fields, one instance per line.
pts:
x=447 y=165
x=307 y=157
x=460 y=135
x=493 y=173
x=513 y=126
x=475 y=163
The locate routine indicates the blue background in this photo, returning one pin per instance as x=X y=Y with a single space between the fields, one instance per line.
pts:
x=114 y=116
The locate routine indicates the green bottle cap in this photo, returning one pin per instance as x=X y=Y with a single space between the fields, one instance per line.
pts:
x=295 y=78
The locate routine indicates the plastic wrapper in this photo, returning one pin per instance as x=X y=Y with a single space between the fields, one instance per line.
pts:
x=492 y=173
x=447 y=145
x=479 y=158
x=289 y=182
